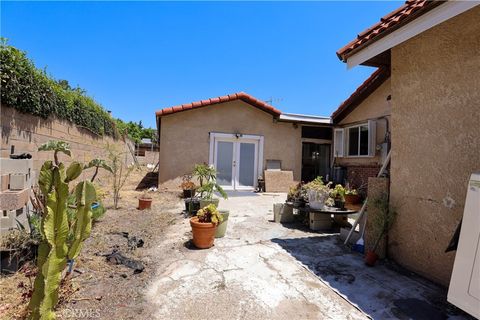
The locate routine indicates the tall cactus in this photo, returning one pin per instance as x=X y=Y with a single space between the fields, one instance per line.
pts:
x=56 y=247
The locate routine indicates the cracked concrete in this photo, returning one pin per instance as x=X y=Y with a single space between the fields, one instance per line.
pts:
x=244 y=276
x=265 y=270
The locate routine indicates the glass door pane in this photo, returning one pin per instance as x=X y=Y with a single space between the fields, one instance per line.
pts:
x=246 y=169
x=224 y=163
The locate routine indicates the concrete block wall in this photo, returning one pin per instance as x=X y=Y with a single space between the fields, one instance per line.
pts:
x=150 y=157
x=27 y=132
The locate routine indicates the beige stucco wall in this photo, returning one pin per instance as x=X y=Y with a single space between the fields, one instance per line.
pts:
x=373 y=107
x=27 y=132
x=436 y=140
x=184 y=138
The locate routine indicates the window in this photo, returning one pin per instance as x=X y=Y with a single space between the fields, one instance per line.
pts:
x=361 y=140
x=357 y=141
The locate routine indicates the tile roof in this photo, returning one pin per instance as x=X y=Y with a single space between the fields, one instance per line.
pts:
x=392 y=21
x=362 y=92
x=231 y=97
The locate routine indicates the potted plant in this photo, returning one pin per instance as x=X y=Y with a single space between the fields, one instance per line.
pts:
x=145 y=200
x=207 y=178
x=352 y=196
x=317 y=193
x=204 y=225
x=297 y=195
x=188 y=187
x=338 y=195
x=381 y=224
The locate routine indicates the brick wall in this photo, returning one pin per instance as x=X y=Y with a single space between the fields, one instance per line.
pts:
x=357 y=176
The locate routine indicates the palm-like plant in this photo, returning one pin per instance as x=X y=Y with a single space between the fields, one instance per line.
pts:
x=207 y=178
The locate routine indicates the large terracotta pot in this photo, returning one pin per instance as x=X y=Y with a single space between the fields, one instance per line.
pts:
x=144 y=203
x=371 y=258
x=203 y=233
x=352 y=198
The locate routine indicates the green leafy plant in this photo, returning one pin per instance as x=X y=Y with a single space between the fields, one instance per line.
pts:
x=351 y=192
x=338 y=193
x=136 y=131
x=30 y=90
x=297 y=193
x=207 y=178
x=97 y=164
x=56 y=246
x=383 y=221
x=209 y=214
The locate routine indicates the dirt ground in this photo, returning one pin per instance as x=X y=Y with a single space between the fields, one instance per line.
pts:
x=99 y=289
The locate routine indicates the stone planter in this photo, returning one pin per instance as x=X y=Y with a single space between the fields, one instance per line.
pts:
x=222 y=226
x=206 y=202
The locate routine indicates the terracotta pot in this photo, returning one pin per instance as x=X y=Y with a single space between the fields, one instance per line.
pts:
x=189 y=193
x=371 y=258
x=352 y=198
x=203 y=233
x=144 y=204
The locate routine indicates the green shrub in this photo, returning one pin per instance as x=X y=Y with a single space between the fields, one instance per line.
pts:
x=30 y=90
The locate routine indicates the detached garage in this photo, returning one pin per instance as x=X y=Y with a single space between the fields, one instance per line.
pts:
x=241 y=136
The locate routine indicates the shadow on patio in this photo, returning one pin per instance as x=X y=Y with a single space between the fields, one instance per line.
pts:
x=383 y=292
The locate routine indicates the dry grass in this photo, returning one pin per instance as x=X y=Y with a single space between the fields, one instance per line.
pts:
x=96 y=287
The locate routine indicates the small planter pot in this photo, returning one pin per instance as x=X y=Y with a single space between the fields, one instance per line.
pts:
x=192 y=206
x=189 y=193
x=203 y=233
x=206 y=202
x=144 y=203
x=222 y=227
x=9 y=261
x=371 y=258
x=340 y=204
x=298 y=204
x=352 y=198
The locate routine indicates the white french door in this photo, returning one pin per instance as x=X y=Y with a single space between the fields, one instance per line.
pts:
x=236 y=160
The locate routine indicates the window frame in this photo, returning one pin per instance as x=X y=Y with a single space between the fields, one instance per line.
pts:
x=347 y=141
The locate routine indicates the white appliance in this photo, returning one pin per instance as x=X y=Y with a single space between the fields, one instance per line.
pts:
x=464 y=289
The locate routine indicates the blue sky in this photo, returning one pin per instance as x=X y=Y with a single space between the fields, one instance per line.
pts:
x=137 y=57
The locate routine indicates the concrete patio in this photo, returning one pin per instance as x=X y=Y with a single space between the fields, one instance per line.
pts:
x=265 y=270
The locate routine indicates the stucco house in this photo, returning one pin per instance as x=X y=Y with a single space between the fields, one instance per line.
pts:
x=362 y=130
x=242 y=137
x=432 y=52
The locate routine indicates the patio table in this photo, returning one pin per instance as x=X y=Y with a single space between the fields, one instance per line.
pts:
x=320 y=219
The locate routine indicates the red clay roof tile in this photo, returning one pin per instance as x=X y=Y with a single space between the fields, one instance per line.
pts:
x=362 y=92
x=231 y=97
x=388 y=23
